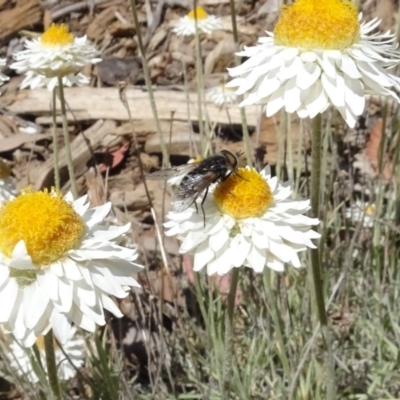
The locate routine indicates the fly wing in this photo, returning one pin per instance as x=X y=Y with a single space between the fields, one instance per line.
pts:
x=191 y=188
x=168 y=173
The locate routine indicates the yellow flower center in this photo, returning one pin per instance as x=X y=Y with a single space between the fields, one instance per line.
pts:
x=57 y=36
x=48 y=225
x=318 y=24
x=243 y=195
x=201 y=14
x=5 y=170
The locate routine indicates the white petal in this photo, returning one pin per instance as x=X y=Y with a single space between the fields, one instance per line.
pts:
x=202 y=256
x=35 y=303
x=8 y=296
x=256 y=259
x=291 y=96
x=61 y=326
x=240 y=247
x=276 y=102
x=349 y=67
x=308 y=74
x=49 y=283
x=65 y=289
x=354 y=95
x=20 y=258
x=334 y=88
x=110 y=306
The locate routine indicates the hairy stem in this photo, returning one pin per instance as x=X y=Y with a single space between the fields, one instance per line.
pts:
x=51 y=365
x=67 y=142
x=55 y=142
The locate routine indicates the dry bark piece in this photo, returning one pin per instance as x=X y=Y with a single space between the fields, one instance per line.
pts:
x=108 y=105
x=119 y=29
x=25 y=14
x=44 y=176
x=15 y=141
x=223 y=53
x=99 y=25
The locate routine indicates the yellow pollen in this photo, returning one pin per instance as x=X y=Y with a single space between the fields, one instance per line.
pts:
x=318 y=24
x=48 y=225
x=245 y=194
x=5 y=170
x=201 y=14
x=370 y=209
x=57 y=36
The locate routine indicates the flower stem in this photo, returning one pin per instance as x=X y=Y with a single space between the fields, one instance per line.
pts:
x=67 y=142
x=226 y=378
x=245 y=129
x=203 y=127
x=51 y=365
x=316 y=260
x=55 y=142
x=315 y=196
x=149 y=88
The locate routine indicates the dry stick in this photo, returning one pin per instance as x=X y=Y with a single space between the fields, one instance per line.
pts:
x=55 y=144
x=246 y=136
x=51 y=365
x=67 y=142
x=147 y=79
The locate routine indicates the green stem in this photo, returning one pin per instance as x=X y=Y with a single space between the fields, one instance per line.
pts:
x=67 y=142
x=316 y=260
x=51 y=365
x=315 y=196
x=245 y=130
x=147 y=79
x=55 y=142
x=229 y=332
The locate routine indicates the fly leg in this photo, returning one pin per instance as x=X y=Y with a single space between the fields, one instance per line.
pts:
x=202 y=202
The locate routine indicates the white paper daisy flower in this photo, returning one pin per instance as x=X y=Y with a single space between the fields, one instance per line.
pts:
x=206 y=23
x=361 y=211
x=57 y=53
x=7 y=187
x=34 y=80
x=319 y=55
x=59 y=265
x=250 y=221
x=221 y=95
x=21 y=358
x=3 y=78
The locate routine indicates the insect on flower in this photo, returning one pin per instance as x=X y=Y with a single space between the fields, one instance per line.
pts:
x=198 y=177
